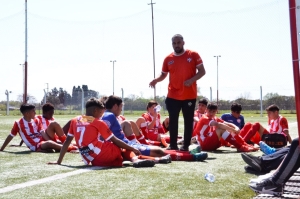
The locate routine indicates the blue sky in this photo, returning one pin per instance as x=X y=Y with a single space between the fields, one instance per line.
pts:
x=71 y=43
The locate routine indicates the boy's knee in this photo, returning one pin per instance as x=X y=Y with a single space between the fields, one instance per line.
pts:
x=160 y=151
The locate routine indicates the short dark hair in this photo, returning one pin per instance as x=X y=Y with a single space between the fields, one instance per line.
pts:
x=235 y=107
x=103 y=99
x=26 y=107
x=203 y=101
x=177 y=36
x=94 y=102
x=212 y=106
x=47 y=107
x=272 y=108
x=112 y=100
x=151 y=103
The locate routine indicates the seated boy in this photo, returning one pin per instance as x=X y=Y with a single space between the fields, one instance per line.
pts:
x=32 y=133
x=277 y=124
x=50 y=125
x=87 y=129
x=151 y=126
x=210 y=129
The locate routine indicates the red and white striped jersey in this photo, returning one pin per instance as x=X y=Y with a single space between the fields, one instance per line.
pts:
x=157 y=127
x=278 y=125
x=87 y=130
x=197 y=114
x=121 y=118
x=28 y=131
x=204 y=129
x=45 y=122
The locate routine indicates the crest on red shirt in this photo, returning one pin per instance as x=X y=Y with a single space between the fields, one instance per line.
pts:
x=170 y=62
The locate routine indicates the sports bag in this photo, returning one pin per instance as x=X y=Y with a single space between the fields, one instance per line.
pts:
x=275 y=140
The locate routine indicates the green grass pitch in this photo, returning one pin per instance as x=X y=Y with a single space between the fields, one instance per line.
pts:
x=25 y=174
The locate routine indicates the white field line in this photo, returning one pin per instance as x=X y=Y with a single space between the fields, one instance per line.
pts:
x=55 y=177
x=48 y=179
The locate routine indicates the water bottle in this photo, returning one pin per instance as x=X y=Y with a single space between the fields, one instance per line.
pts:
x=209 y=177
x=157 y=108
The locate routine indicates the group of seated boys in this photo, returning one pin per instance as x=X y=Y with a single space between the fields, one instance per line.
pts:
x=105 y=138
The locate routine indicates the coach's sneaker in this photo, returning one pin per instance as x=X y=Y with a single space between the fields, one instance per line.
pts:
x=172 y=148
x=266 y=149
x=184 y=148
x=143 y=163
x=165 y=159
x=200 y=156
x=267 y=186
x=180 y=142
x=196 y=150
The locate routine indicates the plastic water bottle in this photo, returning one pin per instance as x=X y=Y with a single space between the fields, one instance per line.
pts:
x=157 y=108
x=209 y=177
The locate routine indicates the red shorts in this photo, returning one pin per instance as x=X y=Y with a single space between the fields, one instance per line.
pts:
x=166 y=129
x=38 y=146
x=110 y=156
x=152 y=135
x=211 y=143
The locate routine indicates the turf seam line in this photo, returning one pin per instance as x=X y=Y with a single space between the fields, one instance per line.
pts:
x=47 y=179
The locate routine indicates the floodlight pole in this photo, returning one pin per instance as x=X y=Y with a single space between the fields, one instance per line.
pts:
x=45 y=97
x=7 y=101
x=153 y=46
x=294 y=31
x=217 y=56
x=113 y=76
x=26 y=63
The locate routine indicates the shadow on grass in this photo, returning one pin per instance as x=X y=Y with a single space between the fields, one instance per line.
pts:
x=224 y=151
x=210 y=158
x=19 y=152
x=250 y=170
x=90 y=167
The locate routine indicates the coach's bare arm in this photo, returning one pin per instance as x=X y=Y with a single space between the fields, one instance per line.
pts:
x=158 y=79
x=200 y=73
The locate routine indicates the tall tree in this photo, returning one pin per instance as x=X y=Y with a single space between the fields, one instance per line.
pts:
x=31 y=99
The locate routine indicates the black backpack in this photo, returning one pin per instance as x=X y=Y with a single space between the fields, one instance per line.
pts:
x=275 y=140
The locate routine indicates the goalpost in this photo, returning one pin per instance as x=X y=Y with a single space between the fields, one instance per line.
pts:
x=294 y=10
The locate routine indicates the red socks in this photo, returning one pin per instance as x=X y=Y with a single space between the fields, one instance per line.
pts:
x=180 y=155
x=228 y=137
x=245 y=129
x=62 y=138
x=255 y=127
x=141 y=139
